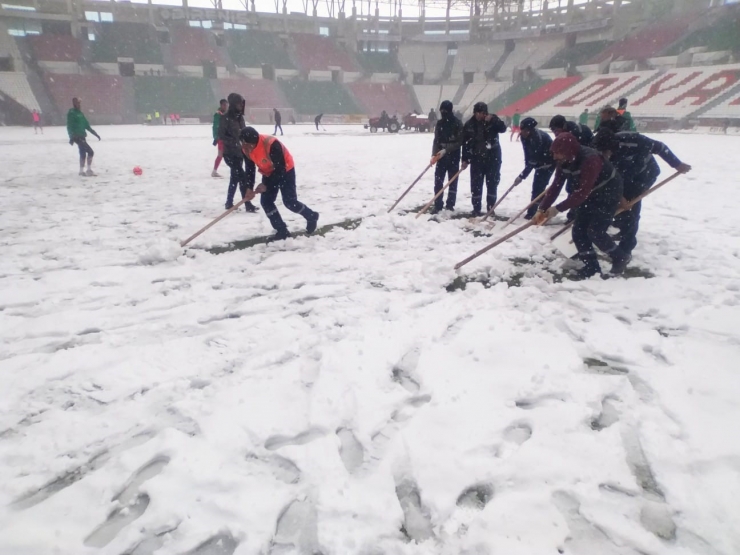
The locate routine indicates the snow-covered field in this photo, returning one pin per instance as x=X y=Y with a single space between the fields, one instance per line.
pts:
x=329 y=394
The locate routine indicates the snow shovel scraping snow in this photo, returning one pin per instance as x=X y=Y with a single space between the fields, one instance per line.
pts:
x=492 y=210
x=441 y=191
x=406 y=192
x=214 y=222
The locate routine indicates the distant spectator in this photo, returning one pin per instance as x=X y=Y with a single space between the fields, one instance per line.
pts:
x=37 y=122
x=583 y=118
x=278 y=121
x=317 y=120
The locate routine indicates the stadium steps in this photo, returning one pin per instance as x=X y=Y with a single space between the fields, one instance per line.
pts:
x=38 y=87
x=539 y=96
x=499 y=63
x=447 y=71
x=732 y=91
x=459 y=94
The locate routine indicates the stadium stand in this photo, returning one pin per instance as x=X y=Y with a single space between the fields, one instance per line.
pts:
x=394 y=98
x=729 y=108
x=480 y=92
x=15 y=85
x=260 y=94
x=126 y=40
x=188 y=96
x=476 y=58
x=314 y=52
x=429 y=59
x=431 y=96
x=528 y=104
x=721 y=36
x=646 y=43
x=576 y=55
x=56 y=48
x=102 y=95
x=378 y=62
x=191 y=46
x=514 y=93
x=681 y=92
x=8 y=47
x=528 y=54
x=594 y=92
x=315 y=97
x=253 y=48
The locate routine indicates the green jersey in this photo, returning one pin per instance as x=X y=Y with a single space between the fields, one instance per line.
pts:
x=515 y=119
x=77 y=124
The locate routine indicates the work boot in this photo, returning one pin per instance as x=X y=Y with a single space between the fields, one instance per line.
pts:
x=82 y=172
x=436 y=210
x=249 y=207
x=450 y=208
x=590 y=265
x=229 y=204
x=620 y=259
x=90 y=173
x=477 y=213
x=281 y=234
x=312 y=223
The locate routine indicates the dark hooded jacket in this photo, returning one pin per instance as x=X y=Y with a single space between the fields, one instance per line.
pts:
x=231 y=124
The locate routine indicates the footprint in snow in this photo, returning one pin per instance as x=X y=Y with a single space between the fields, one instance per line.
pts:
x=350 y=450
x=514 y=437
x=530 y=403
x=417 y=524
x=117 y=520
x=151 y=543
x=277 y=441
x=297 y=530
x=281 y=468
x=222 y=543
x=609 y=415
x=476 y=496
x=146 y=472
x=404 y=371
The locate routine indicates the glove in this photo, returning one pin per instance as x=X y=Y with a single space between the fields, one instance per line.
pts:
x=215 y=142
x=71 y=141
x=541 y=217
x=464 y=166
x=517 y=181
x=98 y=136
x=437 y=156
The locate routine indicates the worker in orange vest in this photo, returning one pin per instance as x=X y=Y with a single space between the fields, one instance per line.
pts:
x=273 y=160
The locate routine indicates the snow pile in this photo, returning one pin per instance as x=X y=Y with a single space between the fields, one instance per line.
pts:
x=163 y=250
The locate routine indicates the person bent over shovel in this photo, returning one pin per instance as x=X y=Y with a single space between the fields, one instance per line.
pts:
x=273 y=160
x=596 y=194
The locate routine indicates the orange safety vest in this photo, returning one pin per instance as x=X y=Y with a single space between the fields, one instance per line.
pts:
x=260 y=155
x=621 y=111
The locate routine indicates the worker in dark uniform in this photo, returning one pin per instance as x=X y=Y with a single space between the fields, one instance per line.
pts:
x=597 y=193
x=448 y=133
x=317 y=120
x=633 y=155
x=273 y=160
x=559 y=125
x=230 y=126
x=537 y=156
x=608 y=113
x=482 y=151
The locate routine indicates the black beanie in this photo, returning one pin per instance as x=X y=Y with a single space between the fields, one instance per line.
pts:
x=528 y=123
x=446 y=106
x=249 y=135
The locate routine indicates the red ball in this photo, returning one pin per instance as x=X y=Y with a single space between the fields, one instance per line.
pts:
x=138 y=170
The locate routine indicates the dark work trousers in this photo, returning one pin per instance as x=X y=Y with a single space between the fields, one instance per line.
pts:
x=592 y=220
x=446 y=168
x=628 y=222
x=85 y=149
x=278 y=126
x=541 y=180
x=285 y=184
x=490 y=171
x=238 y=177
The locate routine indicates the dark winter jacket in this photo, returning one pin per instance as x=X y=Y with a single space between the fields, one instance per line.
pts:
x=481 y=141
x=581 y=132
x=592 y=177
x=537 y=153
x=635 y=161
x=231 y=125
x=278 y=118
x=448 y=135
